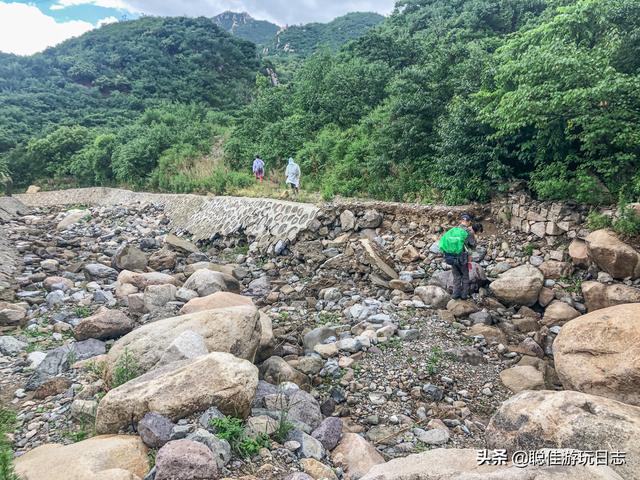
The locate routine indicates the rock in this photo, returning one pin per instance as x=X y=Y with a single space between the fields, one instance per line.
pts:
x=33 y=189
x=309 y=446
x=215 y=300
x=157 y=296
x=71 y=218
x=129 y=257
x=180 y=244
x=105 y=324
x=235 y=330
x=519 y=286
x=597 y=295
x=477 y=278
x=459 y=464
x=556 y=270
x=370 y=219
x=11 y=346
x=347 y=220
x=262 y=424
x=490 y=334
x=207 y=282
x=317 y=336
x=377 y=258
x=435 y=436
x=481 y=317
x=275 y=370
x=267 y=340
x=521 y=378
x=98 y=271
x=355 y=455
x=260 y=286
x=181 y=389
x=566 y=419
x=613 y=255
x=155 y=430
x=329 y=432
x=298 y=476
x=57 y=283
x=12 y=314
x=579 y=253
x=546 y=296
x=50 y=265
x=220 y=448
x=163 y=259
x=108 y=457
x=51 y=387
x=559 y=313
x=317 y=470
x=185 y=460
x=304 y=409
x=436 y=297
x=59 y=360
x=186 y=346
x=409 y=254
x=142 y=280
x=598 y=353
x=462 y=308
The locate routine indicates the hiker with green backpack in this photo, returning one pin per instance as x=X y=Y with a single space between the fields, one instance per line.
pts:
x=455 y=245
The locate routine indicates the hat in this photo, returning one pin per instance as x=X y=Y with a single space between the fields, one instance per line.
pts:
x=466 y=217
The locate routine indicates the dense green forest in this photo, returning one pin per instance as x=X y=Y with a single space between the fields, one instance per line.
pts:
x=445 y=100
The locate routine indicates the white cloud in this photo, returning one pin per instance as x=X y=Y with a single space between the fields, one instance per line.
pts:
x=24 y=29
x=117 y=4
x=107 y=20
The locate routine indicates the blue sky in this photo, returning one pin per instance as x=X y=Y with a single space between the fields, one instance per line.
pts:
x=27 y=27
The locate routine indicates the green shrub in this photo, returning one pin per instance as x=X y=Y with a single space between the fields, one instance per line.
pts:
x=598 y=221
x=628 y=223
x=232 y=430
x=126 y=369
x=7 y=425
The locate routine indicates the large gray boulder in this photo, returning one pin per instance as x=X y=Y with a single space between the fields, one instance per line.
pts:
x=236 y=330
x=547 y=419
x=613 y=255
x=105 y=324
x=518 y=286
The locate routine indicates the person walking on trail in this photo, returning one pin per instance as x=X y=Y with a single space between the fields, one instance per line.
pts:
x=293 y=175
x=456 y=244
x=258 y=168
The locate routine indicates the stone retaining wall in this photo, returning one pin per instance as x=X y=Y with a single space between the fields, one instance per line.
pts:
x=9 y=207
x=264 y=220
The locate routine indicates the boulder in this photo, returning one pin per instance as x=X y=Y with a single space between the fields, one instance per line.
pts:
x=579 y=253
x=599 y=353
x=566 y=419
x=276 y=370
x=462 y=308
x=236 y=330
x=206 y=282
x=477 y=278
x=185 y=460
x=180 y=245
x=436 y=297
x=462 y=464
x=33 y=189
x=518 y=286
x=107 y=457
x=598 y=295
x=556 y=270
x=129 y=257
x=347 y=220
x=11 y=346
x=143 y=280
x=181 y=389
x=57 y=283
x=215 y=300
x=521 y=378
x=155 y=430
x=329 y=432
x=267 y=340
x=156 y=297
x=370 y=219
x=105 y=324
x=356 y=456
x=163 y=259
x=317 y=336
x=12 y=314
x=71 y=218
x=377 y=259
x=559 y=313
x=613 y=255
x=98 y=271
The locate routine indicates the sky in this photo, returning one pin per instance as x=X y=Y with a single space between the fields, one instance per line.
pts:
x=28 y=27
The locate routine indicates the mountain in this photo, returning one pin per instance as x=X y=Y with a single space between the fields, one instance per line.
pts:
x=246 y=27
x=110 y=75
x=305 y=39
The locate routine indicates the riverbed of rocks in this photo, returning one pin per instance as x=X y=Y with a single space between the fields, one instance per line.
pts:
x=336 y=353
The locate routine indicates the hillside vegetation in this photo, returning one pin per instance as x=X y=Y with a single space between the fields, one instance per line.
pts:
x=449 y=99
x=445 y=100
x=243 y=25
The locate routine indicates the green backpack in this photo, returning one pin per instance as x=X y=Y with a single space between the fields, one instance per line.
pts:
x=453 y=241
